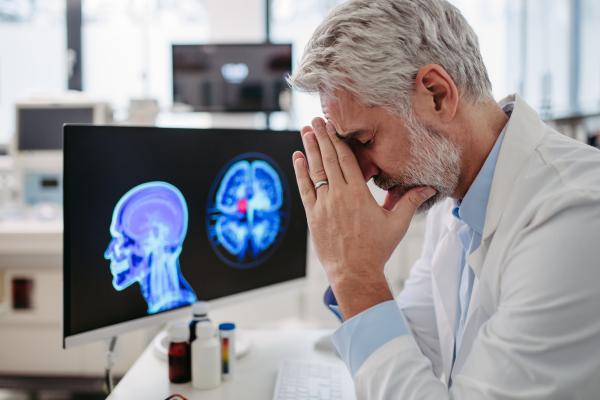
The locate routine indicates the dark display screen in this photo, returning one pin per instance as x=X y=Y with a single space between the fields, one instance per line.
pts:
x=41 y=128
x=231 y=77
x=157 y=218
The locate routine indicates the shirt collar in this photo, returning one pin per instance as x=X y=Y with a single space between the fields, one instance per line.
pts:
x=471 y=210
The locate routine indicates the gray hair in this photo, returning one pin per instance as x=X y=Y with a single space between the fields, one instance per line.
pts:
x=375 y=48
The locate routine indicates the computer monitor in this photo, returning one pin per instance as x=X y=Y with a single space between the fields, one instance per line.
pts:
x=39 y=123
x=231 y=77
x=157 y=218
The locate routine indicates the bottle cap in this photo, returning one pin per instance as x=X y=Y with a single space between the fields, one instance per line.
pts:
x=227 y=327
x=179 y=332
x=200 y=308
x=205 y=329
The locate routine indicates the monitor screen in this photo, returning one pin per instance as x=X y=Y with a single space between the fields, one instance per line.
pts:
x=231 y=77
x=157 y=218
x=41 y=128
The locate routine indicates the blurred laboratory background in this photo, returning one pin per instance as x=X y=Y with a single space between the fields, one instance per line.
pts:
x=131 y=62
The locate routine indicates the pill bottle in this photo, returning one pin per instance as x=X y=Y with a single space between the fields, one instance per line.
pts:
x=179 y=353
x=200 y=313
x=206 y=357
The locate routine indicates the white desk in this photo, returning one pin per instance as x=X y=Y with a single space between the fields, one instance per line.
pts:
x=256 y=373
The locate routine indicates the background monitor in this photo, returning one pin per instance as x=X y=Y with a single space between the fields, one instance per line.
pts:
x=39 y=122
x=41 y=128
x=157 y=218
x=231 y=77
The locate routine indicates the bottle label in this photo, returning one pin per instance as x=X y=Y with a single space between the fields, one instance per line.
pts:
x=225 y=355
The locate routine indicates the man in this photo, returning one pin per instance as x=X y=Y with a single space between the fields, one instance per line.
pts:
x=503 y=303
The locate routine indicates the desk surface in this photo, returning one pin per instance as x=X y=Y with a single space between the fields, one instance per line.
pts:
x=256 y=373
x=29 y=236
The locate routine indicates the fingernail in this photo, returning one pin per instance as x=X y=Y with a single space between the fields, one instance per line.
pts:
x=330 y=128
x=310 y=136
x=299 y=163
x=318 y=123
x=427 y=192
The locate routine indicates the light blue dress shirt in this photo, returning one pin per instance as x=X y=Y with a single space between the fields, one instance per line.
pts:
x=364 y=333
x=471 y=212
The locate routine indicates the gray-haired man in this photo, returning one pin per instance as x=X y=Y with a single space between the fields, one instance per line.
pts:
x=503 y=302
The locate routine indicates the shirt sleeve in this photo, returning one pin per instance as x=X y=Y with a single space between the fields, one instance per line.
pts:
x=413 y=313
x=364 y=333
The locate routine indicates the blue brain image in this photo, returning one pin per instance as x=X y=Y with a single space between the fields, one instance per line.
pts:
x=248 y=211
x=148 y=227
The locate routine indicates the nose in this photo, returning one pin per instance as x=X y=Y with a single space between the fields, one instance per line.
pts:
x=368 y=168
x=114 y=250
x=111 y=249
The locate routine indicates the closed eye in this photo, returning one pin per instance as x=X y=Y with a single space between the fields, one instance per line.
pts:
x=355 y=137
x=127 y=242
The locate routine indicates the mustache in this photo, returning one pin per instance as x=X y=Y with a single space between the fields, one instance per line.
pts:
x=386 y=183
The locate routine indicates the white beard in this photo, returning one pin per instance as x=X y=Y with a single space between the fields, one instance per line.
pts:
x=435 y=161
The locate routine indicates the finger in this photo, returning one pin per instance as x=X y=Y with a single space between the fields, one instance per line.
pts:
x=390 y=202
x=347 y=159
x=410 y=202
x=302 y=133
x=313 y=153
x=305 y=129
x=305 y=185
x=328 y=153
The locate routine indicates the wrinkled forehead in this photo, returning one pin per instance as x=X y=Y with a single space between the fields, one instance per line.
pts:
x=153 y=210
x=345 y=113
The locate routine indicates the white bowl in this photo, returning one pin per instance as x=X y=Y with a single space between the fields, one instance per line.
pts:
x=243 y=344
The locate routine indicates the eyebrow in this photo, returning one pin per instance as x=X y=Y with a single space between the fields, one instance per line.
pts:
x=351 y=135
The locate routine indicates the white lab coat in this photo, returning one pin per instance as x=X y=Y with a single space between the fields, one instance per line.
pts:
x=533 y=323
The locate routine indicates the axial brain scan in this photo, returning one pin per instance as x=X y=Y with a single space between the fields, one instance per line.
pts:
x=148 y=227
x=248 y=210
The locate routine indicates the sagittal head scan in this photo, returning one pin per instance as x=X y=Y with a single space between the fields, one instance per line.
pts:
x=248 y=210
x=148 y=227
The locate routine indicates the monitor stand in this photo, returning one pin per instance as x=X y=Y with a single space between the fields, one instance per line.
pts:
x=110 y=363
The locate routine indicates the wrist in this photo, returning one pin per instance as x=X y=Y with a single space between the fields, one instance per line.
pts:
x=355 y=294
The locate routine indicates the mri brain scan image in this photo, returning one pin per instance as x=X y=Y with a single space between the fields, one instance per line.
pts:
x=148 y=228
x=248 y=210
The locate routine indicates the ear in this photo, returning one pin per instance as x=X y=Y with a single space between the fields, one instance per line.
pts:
x=435 y=95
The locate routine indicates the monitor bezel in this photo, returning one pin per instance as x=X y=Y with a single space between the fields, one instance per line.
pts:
x=178 y=313
x=148 y=321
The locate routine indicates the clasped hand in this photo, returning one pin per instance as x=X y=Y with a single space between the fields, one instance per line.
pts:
x=353 y=236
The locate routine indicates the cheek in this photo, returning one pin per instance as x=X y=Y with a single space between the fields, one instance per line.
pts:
x=135 y=253
x=393 y=157
x=136 y=260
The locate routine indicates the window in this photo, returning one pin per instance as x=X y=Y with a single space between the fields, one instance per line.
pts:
x=33 y=53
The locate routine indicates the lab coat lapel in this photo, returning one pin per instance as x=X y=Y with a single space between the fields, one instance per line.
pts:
x=445 y=264
x=523 y=133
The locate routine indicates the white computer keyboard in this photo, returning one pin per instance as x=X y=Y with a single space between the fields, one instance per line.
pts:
x=309 y=380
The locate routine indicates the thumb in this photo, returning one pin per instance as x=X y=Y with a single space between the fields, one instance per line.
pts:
x=411 y=201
